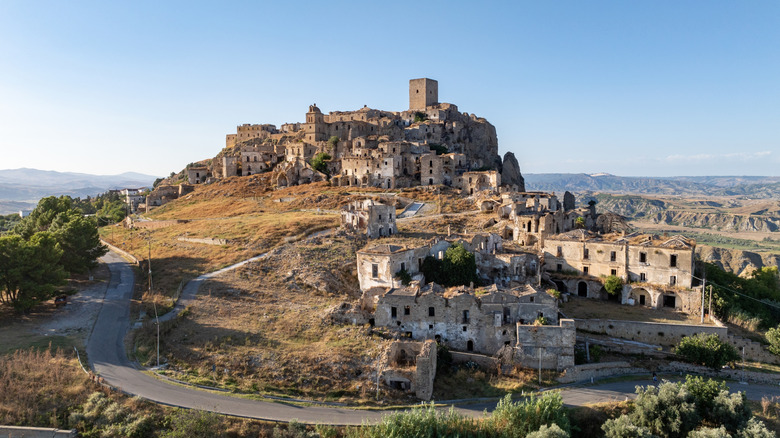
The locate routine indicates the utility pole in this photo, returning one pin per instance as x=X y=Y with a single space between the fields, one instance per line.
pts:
x=540 y=366
x=154 y=302
x=709 y=312
x=703 y=289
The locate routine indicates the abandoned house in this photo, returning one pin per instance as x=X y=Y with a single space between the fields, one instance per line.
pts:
x=657 y=272
x=369 y=217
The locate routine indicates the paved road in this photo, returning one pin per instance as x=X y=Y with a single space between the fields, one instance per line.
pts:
x=108 y=359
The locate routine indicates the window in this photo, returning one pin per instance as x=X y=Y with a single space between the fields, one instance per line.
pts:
x=672 y=280
x=585 y=270
x=403 y=266
x=559 y=267
x=613 y=272
x=465 y=317
x=560 y=248
x=642 y=257
x=407 y=310
x=642 y=277
x=431 y=311
x=393 y=312
x=673 y=261
x=585 y=253
x=374 y=270
x=612 y=256
x=380 y=217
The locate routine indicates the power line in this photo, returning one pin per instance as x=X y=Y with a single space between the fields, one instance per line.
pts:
x=746 y=296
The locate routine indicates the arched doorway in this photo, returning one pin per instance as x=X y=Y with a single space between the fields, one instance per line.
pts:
x=281 y=181
x=470 y=345
x=582 y=289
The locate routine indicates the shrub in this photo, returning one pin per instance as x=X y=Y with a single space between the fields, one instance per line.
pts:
x=420 y=117
x=187 y=423
x=404 y=276
x=518 y=419
x=706 y=349
x=552 y=431
x=319 y=163
x=613 y=284
x=773 y=337
x=554 y=293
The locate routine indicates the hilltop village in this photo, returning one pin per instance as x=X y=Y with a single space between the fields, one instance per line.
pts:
x=534 y=250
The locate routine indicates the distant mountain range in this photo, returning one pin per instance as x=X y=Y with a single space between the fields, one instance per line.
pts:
x=20 y=189
x=750 y=186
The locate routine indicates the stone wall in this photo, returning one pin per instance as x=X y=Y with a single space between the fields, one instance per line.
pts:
x=484 y=361
x=769 y=378
x=554 y=344
x=586 y=372
x=205 y=241
x=425 y=371
x=648 y=332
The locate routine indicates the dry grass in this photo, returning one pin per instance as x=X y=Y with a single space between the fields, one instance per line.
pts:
x=264 y=328
x=587 y=308
x=463 y=383
x=40 y=388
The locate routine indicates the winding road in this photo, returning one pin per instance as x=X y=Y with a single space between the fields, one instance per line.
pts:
x=108 y=359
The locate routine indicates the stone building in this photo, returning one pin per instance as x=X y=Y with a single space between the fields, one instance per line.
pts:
x=546 y=346
x=431 y=143
x=657 y=272
x=197 y=174
x=411 y=366
x=480 y=320
x=379 y=264
x=537 y=215
x=372 y=218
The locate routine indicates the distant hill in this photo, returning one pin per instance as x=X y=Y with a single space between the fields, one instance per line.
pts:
x=22 y=188
x=750 y=186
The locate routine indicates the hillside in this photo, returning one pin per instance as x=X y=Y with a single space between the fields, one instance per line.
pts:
x=752 y=186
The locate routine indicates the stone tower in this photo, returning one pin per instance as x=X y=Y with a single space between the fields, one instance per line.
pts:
x=423 y=92
x=315 y=125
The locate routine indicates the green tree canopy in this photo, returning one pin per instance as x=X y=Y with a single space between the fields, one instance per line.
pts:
x=30 y=269
x=319 y=163
x=706 y=349
x=613 y=284
x=77 y=235
x=459 y=267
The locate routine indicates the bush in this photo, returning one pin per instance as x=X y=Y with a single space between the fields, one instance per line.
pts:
x=613 y=284
x=459 y=267
x=187 y=423
x=694 y=408
x=706 y=349
x=319 y=163
x=404 y=276
x=518 y=419
x=552 y=431
x=773 y=337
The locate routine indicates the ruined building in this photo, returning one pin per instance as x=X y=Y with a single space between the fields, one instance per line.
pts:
x=369 y=217
x=431 y=143
x=657 y=272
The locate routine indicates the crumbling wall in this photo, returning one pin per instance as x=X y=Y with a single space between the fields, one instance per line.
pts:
x=552 y=346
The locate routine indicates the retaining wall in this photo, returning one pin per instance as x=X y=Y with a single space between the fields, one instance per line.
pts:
x=649 y=332
x=580 y=373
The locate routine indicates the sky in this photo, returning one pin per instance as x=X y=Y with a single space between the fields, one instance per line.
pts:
x=632 y=88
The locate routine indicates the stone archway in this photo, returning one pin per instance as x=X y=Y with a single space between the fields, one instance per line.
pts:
x=582 y=289
x=281 y=181
x=641 y=297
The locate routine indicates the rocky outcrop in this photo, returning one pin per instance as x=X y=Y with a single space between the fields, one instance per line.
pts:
x=510 y=172
x=737 y=261
x=612 y=223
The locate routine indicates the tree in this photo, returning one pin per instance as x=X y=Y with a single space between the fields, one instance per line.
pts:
x=77 y=235
x=30 y=270
x=319 y=163
x=420 y=117
x=579 y=223
x=773 y=337
x=41 y=218
x=613 y=284
x=79 y=239
x=706 y=349
x=333 y=141
x=460 y=266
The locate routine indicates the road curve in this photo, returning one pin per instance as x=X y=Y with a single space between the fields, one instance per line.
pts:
x=107 y=357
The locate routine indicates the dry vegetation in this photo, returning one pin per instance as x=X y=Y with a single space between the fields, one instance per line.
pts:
x=264 y=328
x=586 y=308
x=40 y=387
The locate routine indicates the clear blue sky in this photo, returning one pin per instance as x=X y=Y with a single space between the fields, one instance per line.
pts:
x=655 y=88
